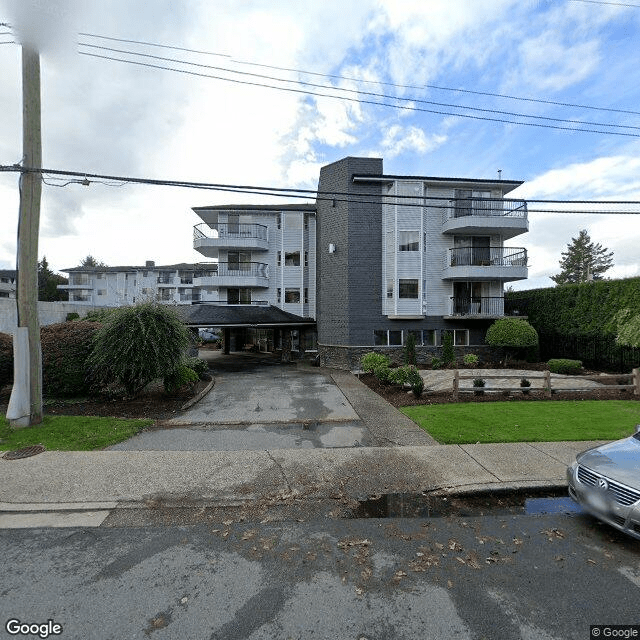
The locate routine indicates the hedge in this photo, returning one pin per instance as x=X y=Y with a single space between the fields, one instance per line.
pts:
x=586 y=309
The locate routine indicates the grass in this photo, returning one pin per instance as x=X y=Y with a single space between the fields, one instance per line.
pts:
x=70 y=433
x=527 y=421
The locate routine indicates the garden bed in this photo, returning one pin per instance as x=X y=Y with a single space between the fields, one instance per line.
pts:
x=400 y=397
x=152 y=402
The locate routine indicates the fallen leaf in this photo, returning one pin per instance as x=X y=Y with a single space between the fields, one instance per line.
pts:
x=227 y=522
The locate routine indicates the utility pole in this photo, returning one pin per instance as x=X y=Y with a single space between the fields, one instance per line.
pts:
x=25 y=404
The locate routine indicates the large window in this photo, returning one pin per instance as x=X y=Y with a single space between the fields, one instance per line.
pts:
x=292 y=259
x=239 y=260
x=239 y=296
x=408 y=289
x=292 y=295
x=408 y=241
x=387 y=337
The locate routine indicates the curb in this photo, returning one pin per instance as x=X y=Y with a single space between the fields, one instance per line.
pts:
x=189 y=403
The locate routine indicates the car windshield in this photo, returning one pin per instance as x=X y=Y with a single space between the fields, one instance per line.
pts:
x=636 y=435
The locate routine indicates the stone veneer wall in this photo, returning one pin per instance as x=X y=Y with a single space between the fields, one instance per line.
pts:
x=345 y=357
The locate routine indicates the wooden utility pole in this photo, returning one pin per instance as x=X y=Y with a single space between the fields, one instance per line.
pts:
x=25 y=405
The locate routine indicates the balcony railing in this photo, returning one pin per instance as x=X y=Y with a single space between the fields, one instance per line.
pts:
x=230 y=230
x=243 y=269
x=487 y=257
x=482 y=307
x=190 y=297
x=485 y=207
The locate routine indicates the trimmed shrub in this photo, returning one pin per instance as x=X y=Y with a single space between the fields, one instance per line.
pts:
x=181 y=378
x=515 y=335
x=448 y=352
x=72 y=316
x=139 y=344
x=436 y=363
x=471 y=359
x=415 y=381
x=66 y=348
x=478 y=386
x=565 y=366
x=100 y=315
x=371 y=360
x=6 y=359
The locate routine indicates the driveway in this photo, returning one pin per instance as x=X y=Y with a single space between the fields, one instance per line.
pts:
x=259 y=404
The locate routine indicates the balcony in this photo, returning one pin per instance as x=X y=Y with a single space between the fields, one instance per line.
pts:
x=481 y=308
x=235 y=274
x=478 y=216
x=209 y=240
x=166 y=281
x=485 y=263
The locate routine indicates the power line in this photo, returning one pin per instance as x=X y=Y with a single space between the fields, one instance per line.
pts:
x=380 y=82
x=360 y=92
x=153 y=44
x=361 y=101
x=614 y=4
x=285 y=192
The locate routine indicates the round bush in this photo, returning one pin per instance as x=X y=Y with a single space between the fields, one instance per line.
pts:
x=565 y=366
x=6 y=359
x=371 y=360
x=65 y=351
x=512 y=333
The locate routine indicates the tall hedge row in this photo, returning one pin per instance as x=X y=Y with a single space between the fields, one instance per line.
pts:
x=586 y=309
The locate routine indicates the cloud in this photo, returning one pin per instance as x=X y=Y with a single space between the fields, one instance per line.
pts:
x=399 y=140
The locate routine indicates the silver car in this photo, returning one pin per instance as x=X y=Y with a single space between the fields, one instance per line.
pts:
x=605 y=481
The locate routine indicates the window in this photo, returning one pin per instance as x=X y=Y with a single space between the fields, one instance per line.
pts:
x=99 y=276
x=408 y=289
x=417 y=334
x=389 y=288
x=279 y=295
x=306 y=221
x=144 y=274
x=306 y=295
x=279 y=258
x=279 y=220
x=380 y=338
x=429 y=337
x=102 y=292
x=233 y=226
x=461 y=337
x=239 y=296
x=408 y=241
x=239 y=260
x=395 y=337
x=306 y=258
x=292 y=295
x=292 y=259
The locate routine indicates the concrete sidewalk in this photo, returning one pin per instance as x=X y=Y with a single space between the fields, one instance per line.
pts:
x=99 y=481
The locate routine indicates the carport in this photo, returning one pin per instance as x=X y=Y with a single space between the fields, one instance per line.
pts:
x=243 y=324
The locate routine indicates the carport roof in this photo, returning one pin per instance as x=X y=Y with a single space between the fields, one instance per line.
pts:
x=213 y=315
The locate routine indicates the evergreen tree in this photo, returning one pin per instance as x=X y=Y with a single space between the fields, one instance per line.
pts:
x=583 y=261
x=90 y=261
x=48 y=282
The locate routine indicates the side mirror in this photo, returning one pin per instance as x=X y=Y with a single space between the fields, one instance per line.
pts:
x=638 y=428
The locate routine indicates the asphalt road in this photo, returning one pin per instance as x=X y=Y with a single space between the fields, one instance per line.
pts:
x=506 y=577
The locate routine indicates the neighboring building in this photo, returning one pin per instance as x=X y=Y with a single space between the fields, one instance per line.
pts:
x=8 y=283
x=125 y=285
x=405 y=254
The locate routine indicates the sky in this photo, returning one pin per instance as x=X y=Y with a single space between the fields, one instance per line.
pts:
x=114 y=118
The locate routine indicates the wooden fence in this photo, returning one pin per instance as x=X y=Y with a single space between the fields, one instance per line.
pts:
x=547 y=383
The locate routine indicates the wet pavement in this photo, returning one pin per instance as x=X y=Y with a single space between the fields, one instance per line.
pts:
x=253 y=437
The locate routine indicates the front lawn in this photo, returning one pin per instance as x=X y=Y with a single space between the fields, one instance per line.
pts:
x=527 y=421
x=70 y=433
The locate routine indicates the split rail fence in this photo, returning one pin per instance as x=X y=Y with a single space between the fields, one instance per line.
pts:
x=547 y=383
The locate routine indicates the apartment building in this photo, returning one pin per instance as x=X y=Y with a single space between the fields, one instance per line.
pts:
x=377 y=257
x=8 y=283
x=400 y=255
x=124 y=285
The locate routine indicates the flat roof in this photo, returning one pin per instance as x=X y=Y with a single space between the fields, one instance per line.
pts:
x=510 y=184
x=257 y=207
